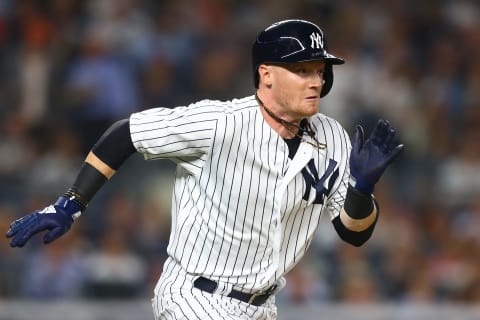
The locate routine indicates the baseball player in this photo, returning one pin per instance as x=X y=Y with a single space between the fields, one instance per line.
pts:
x=253 y=177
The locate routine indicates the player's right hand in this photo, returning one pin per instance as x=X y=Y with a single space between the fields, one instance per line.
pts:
x=56 y=218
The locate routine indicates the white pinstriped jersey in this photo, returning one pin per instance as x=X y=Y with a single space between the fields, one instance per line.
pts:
x=243 y=212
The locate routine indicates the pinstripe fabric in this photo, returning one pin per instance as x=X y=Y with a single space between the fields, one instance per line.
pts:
x=176 y=298
x=242 y=212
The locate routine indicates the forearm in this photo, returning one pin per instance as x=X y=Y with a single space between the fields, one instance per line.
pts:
x=97 y=163
x=357 y=218
x=359 y=211
x=105 y=158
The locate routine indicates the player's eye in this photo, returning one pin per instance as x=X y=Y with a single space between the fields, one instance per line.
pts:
x=301 y=70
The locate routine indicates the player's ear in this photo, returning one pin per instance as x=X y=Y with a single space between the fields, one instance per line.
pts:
x=265 y=75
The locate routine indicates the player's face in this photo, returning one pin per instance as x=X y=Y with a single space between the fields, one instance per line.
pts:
x=296 y=88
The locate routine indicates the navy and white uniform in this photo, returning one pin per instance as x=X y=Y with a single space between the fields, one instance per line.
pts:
x=243 y=211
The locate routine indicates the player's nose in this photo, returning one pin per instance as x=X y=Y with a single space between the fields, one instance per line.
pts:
x=316 y=79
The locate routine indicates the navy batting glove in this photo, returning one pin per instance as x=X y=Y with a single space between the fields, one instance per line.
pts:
x=56 y=218
x=370 y=158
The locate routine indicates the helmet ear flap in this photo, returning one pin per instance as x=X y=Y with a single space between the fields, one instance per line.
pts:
x=328 y=78
x=256 y=76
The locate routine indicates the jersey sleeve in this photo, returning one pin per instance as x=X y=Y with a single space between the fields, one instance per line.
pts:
x=182 y=134
x=336 y=198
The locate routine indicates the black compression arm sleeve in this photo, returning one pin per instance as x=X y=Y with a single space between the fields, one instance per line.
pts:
x=113 y=148
x=89 y=180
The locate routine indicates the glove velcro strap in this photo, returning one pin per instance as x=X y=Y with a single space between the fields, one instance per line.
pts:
x=70 y=205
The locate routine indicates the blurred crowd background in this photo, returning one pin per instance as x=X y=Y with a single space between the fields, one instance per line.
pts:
x=70 y=68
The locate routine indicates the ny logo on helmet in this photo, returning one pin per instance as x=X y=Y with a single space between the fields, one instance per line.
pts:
x=317 y=40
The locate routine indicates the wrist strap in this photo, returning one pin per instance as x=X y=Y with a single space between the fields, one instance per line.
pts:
x=358 y=205
x=76 y=198
x=70 y=206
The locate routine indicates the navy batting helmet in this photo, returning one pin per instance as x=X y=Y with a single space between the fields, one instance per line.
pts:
x=293 y=41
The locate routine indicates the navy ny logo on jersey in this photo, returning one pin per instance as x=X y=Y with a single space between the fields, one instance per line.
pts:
x=313 y=182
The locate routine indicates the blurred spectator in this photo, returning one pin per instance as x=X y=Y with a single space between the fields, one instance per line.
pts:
x=126 y=25
x=466 y=222
x=306 y=284
x=153 y=223
x=16 y=154
x=101 y=86
x=419 y=287
x=114 y=270
x=34 y=61
x=10 y=260
x=355 y=279
x=56 y=272
x=159 y=83
x=15 y=147
x=219 y=61
x=458 y=176
x=58 y=165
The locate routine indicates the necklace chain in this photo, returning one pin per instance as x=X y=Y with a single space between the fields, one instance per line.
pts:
x=292 y=126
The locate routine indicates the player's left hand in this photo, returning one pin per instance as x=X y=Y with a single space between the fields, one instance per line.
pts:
x=370 y=158
x=56 y=218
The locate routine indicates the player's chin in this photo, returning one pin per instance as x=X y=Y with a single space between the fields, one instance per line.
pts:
x=311 y=107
